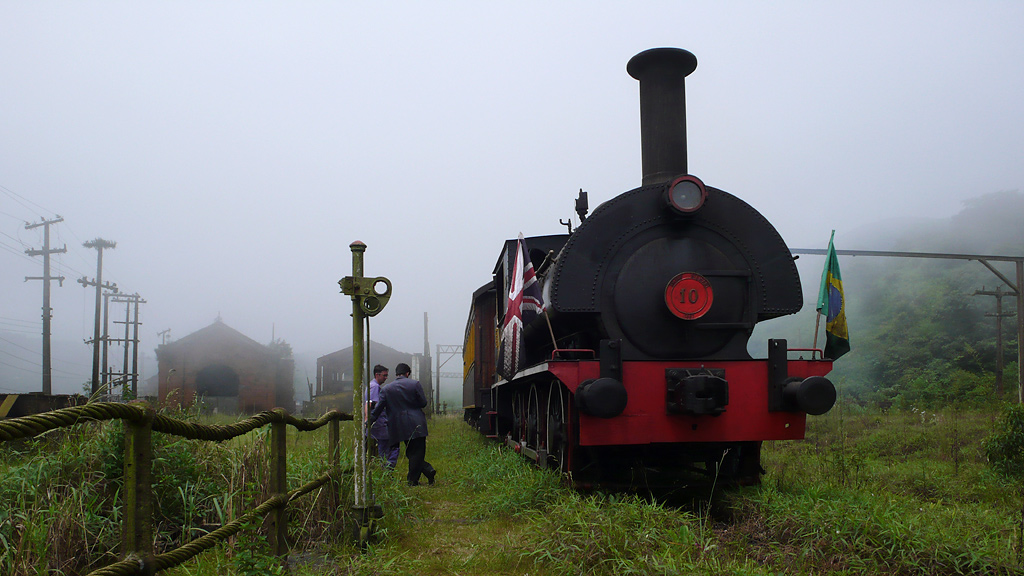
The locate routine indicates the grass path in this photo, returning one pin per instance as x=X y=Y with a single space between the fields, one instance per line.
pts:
x=862 y=495
x=445 y=529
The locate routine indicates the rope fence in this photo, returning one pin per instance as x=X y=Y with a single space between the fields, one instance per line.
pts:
x=141 y=421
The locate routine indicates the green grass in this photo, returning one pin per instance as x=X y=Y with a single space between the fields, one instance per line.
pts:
x=900 y=492
x=867 y=492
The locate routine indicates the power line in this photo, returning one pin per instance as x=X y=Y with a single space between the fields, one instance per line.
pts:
x=21 y=200
x=20 y=331
x=64 y=268
x=9 y=215
x=78 y=240
x=15 y=321
x=17 y=367
x=18 y=240
x=66 y=373
x=15 y=356
x=8 y=318
x=17 y=252
x=16 y=345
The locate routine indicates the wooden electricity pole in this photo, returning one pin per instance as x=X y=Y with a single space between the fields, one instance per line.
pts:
x=105 y=371
x=424 y=376
x=46 y=278
x=999 y=315
x=99 y=244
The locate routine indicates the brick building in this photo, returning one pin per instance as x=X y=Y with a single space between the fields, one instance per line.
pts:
x=230 y=371
x=334 y=374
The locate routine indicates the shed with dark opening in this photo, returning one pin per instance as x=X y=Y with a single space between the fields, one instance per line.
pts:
x=229 y=371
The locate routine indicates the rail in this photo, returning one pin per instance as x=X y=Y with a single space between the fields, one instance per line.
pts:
x=819 y=352
x=141 y=421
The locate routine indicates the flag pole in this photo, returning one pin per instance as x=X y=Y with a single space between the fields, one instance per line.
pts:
x=817 y=324
x=554 y=343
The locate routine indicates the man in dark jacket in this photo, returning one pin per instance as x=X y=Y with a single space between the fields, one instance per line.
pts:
x=403 y=400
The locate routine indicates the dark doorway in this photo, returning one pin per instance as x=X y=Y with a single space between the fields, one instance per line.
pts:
x=217 y=385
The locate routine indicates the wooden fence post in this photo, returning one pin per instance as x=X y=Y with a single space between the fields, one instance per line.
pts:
x=138 y=493
x=279 y=487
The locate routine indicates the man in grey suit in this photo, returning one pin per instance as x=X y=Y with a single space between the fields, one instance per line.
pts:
x=404 y=400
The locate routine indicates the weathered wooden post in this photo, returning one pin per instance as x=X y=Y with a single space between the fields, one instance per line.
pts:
x=279 y=486
x=368 y=299
x=138 y=493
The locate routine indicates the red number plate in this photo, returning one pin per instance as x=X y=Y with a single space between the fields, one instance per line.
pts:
x=689 y=295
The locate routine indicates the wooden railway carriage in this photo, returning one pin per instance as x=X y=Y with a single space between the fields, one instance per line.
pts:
x=637 y=371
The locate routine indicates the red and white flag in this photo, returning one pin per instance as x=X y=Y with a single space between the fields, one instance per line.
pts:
x=525 y=302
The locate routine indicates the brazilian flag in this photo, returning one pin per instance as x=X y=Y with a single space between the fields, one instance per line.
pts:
x=832 y=305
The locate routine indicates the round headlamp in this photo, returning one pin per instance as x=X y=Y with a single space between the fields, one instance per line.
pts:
x=686 y=194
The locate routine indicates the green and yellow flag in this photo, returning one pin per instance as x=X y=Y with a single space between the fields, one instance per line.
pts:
x=832 y=305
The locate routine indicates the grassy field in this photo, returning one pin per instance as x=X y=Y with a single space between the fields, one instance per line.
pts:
x=866 y=493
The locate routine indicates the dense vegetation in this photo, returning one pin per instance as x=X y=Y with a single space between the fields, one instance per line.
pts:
x=920 y=336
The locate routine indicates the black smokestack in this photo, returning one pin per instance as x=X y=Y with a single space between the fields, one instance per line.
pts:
x=662 y=74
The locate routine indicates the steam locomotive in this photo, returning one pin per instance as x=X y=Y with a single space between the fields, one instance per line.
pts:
x=635 y=369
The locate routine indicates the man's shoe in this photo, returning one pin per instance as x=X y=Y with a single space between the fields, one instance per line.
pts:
x=430 y=477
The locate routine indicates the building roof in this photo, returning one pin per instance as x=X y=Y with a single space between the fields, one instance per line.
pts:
x=378 y=353
x=218 y=331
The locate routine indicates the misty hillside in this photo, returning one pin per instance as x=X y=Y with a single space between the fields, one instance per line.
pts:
x=918 y=331
x=988 y=224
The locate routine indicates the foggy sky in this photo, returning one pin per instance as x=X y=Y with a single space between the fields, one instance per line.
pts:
x=234 y=150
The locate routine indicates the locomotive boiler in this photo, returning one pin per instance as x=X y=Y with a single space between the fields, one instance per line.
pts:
x=617 y=353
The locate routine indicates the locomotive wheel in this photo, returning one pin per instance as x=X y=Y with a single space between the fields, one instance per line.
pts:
x=518 y=417
x=533 y=420
x=557 y=427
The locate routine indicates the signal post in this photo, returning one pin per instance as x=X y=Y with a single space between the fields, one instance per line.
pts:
x=369 y=296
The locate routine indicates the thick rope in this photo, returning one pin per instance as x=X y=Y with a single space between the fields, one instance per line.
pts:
x=36 y=424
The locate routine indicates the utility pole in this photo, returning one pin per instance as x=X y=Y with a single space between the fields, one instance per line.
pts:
x=998 y=315
x=131 y=379
x=100 y=376
x=124 y=365
x=135 y=348
x=424 y=376
x=105 y=371
x=99 y=244
x=46 y=278
x=165 y=336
